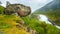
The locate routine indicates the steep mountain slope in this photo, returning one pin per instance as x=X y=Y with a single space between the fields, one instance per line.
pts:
x=51 y=10
x=52 y=5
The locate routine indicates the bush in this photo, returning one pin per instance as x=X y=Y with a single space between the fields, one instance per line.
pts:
x=1 y=9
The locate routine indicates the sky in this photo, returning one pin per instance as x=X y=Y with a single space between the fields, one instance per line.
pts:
x=34 y=4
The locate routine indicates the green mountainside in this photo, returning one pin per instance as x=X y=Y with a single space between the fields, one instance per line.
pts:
x=51 y=10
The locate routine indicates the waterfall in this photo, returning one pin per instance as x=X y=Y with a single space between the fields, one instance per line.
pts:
x=47 y=20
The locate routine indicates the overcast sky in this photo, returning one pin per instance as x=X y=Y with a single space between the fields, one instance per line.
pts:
x=34 y=4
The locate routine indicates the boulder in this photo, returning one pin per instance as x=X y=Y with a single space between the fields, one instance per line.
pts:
x=20 y=9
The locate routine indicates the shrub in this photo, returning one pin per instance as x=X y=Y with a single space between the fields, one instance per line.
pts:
x=1 y=9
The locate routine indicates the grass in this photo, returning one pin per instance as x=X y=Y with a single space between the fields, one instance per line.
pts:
x=40 y=27
x=8 y=24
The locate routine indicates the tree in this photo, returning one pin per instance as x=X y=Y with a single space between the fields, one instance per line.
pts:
x=0 y=3
x=7 y=3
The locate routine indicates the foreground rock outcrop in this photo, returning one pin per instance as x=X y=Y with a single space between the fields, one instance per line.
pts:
x=20 y=9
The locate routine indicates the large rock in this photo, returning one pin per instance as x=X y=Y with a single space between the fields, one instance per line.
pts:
x=20 y=9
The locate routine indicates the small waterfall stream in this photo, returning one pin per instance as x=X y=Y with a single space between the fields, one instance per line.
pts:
x=45 y=18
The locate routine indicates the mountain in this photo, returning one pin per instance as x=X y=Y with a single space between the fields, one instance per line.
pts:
x=51 y=10
x=52 y=5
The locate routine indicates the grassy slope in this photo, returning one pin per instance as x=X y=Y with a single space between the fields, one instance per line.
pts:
x=41 y=27
x=8 y=25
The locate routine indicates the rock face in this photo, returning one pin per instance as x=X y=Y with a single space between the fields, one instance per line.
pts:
x=20 y=9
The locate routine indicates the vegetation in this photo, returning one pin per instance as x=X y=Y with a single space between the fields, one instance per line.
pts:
x=54 y=15
x=1 y=9
x=8 y=25
x=41 y=27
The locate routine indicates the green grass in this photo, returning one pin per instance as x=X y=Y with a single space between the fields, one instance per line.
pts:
x=41 y=27
x=4 y=25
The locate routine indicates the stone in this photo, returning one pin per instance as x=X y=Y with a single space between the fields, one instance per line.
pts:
x=20 y=9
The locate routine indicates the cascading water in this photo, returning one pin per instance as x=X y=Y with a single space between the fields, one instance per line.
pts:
x=45 y=18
